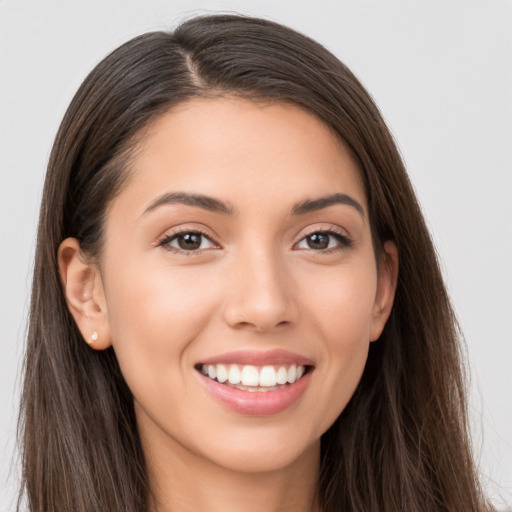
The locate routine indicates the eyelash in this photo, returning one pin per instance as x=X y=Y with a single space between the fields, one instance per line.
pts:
x=344 y=242
x=165 y=242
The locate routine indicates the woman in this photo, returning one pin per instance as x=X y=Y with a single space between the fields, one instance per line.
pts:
x=236 y=301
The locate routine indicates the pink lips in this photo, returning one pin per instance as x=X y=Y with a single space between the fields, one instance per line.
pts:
x=259 y=358
x=257 y=403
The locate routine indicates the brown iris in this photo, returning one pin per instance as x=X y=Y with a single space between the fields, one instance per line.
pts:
x=189 y=241
x=318 y=241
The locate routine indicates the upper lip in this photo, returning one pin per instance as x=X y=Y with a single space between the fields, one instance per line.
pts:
x=259 y=358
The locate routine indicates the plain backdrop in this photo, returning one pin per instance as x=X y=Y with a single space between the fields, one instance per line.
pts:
x=441 y=72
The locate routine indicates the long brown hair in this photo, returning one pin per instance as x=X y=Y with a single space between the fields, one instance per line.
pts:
x=402 y=441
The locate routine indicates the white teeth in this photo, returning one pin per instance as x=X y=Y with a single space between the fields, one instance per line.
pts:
x=252 y=376
x=222 y=373
x=282 y=376
x=234 y=376
x=292 y=374
x=268 y=376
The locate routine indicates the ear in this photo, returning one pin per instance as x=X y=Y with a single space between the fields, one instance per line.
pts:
x=83 y=288
x=386 y=286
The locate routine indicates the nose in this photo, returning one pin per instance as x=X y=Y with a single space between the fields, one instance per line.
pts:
x=260 y=293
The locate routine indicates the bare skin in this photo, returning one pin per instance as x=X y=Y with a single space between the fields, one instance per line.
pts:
x=279 y=257
x=213 y=488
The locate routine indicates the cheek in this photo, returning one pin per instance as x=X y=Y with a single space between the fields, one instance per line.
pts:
x=157 y=298
x=342 y=304
x=154 y=313
x=341 y=314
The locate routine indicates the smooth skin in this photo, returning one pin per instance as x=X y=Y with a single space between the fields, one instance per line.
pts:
x=179 y=283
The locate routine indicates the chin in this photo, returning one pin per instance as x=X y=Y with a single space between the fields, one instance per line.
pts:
x=265 y=449
x=257 y=461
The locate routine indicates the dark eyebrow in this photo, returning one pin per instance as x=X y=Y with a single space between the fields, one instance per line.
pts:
x=311 y=205
x=215 y=205
x=207 y=203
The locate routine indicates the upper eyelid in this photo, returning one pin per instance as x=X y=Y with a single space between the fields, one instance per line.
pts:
x=173 y=232
x=325 y=228
x=329 y=229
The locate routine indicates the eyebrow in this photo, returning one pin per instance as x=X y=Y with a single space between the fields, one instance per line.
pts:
x=216 y=206
x=311 y=205
x=207 y=203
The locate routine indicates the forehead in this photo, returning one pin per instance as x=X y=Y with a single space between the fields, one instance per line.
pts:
x=228 y=146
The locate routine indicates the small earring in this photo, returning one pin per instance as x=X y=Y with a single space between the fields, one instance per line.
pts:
x=94 y=337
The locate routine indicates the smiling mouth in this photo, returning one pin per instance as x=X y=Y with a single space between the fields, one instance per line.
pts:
x=255 y=378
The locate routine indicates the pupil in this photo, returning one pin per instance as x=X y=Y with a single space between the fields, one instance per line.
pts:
x=189 y=241
x=318 y=241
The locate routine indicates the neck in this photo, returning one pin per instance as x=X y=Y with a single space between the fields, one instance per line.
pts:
x=183 y=482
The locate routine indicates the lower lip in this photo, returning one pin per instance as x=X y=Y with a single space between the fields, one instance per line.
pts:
x=257 y=403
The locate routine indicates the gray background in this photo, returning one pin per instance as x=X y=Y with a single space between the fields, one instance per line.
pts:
x=441 y=72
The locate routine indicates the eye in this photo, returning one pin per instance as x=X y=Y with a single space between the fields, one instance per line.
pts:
x=187 y=241
x=324 y=240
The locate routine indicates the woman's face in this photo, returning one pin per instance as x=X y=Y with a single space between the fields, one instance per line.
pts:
x=240 y=247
